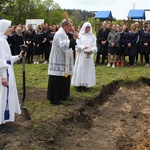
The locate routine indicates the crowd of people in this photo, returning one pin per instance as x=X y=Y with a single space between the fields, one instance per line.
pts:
x=120 y=42
x=38 y=41
x=114 y=43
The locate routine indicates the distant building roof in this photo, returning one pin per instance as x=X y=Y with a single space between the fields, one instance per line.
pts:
x=136 y=14
x=104 y=15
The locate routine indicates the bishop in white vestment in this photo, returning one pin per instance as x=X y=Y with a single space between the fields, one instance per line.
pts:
x=60 y=65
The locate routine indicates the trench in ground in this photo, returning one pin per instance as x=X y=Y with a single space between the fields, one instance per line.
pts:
x=118 y=119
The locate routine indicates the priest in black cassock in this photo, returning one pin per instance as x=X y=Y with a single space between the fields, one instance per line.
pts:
x=60 y=65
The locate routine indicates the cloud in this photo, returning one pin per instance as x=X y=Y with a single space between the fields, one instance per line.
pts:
x=119 y=8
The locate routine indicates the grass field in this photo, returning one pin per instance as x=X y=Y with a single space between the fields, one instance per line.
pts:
x=37 y=77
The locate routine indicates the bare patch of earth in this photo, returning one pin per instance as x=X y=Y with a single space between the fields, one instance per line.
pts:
x=118 y=119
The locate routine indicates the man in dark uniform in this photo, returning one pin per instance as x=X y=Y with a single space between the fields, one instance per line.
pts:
x=102 y=43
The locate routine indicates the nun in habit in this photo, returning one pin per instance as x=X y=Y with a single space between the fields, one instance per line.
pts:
x=84 y=69
x=8 y=90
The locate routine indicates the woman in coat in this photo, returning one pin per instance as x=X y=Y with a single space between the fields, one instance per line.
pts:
x=37 y=42
x=19 y=41
x=145 y=45
x=132 y=39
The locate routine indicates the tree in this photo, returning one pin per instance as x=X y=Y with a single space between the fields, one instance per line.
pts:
x=116 y=22
x=18 y=10
x=55 y=16
x=50 y=5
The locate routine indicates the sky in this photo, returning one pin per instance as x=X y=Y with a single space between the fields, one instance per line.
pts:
x=119 y=8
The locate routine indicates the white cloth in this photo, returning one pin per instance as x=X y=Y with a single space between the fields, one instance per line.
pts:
x=59 y=53
x=84 y=69
x=13 y=101
x=4 y=24
x=3 y=67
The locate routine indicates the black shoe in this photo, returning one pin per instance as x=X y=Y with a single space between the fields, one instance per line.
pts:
x=57 y=103
x=4 y=129
x=84 y=88
x=79 y=89
x=102 y=63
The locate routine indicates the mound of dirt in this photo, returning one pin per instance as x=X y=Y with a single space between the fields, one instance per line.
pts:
x=118 y=119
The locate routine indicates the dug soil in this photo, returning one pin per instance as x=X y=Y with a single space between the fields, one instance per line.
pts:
x=117 y=119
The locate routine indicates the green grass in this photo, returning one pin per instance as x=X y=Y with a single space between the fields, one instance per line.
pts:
x=36 y=76
x=105 y=75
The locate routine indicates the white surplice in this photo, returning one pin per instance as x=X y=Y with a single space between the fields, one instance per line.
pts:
x=13 y=101
x=84 y=69
x=61 y=57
